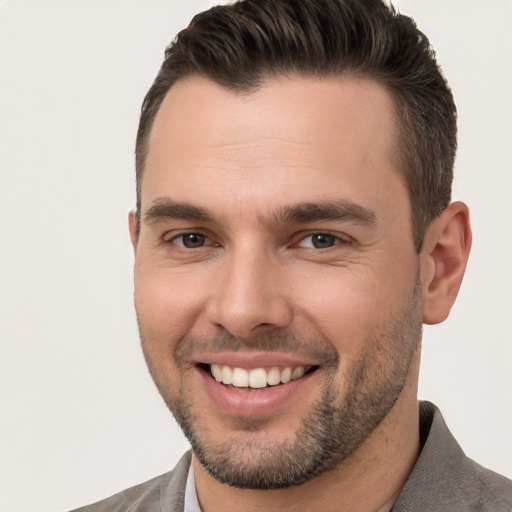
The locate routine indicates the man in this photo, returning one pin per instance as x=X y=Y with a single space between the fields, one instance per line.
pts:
x=293 y=231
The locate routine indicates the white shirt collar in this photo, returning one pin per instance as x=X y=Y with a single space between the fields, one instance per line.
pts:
x=191 y=503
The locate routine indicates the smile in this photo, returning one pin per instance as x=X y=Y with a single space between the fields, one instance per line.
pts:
x=257 y=383
x=257 y=378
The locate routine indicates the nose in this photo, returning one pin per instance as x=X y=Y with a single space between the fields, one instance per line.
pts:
x=249 y=296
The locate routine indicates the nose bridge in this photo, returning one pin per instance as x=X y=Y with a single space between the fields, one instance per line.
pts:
x=248 y=293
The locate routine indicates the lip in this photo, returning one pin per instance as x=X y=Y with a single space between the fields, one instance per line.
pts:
x=259 y=402
x=252 y=360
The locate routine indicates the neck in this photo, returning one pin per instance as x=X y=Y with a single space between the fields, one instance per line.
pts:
x=365 y=482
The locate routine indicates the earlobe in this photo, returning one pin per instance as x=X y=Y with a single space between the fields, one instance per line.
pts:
x=132 y=225
x=445 y=255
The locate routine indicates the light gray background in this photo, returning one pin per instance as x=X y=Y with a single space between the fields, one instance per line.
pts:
x=80 y=418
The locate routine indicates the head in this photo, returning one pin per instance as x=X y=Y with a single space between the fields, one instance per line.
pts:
x=293 y=230
x=241 y=46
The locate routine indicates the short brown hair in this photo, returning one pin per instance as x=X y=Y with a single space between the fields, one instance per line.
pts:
x=241 y=45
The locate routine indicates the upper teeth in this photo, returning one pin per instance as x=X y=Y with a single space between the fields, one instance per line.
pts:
x=257 y=378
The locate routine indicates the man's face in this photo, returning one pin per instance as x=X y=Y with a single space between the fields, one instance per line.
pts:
x=276 y=239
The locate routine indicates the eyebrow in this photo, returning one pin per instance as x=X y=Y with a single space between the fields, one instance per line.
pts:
x=166 y=209
x=339 y=210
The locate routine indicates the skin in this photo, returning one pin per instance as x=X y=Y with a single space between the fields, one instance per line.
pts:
x=244 y=159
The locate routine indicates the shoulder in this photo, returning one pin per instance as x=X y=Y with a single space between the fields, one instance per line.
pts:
x=445 y=479
x=164 y=492
x=494 y=490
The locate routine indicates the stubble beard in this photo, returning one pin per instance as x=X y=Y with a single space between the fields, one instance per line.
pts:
x=332 y=431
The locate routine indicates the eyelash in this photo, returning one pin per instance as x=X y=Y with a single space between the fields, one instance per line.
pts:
x=181 y=236
x=335 y=239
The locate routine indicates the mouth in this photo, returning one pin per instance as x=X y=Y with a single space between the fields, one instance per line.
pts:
x=255 y=379
x=257 y=384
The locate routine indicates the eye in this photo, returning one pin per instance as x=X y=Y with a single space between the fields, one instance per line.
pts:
x=319 y=241
x=190 y=240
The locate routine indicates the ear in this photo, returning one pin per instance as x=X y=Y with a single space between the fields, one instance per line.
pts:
x=132 y=225
x=444 y=257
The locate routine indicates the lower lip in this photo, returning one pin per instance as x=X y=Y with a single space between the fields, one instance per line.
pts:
x=258 y=402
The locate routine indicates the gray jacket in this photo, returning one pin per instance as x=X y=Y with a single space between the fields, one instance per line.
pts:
x=443 y=480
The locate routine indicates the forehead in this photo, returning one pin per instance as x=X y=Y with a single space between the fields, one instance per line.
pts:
x=295 y=136
x=316 y=106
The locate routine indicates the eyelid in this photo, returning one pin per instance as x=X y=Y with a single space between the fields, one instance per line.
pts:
x=170 y=237
x=177 y=234
x=341 y=239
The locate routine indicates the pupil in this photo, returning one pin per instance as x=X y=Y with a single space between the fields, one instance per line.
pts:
x=193 y=240
x=323 y=241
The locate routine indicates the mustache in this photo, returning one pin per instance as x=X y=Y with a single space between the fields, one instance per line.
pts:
x=319 y=349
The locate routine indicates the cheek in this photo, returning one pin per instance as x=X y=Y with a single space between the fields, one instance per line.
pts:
x=167 y=303
x=349 y=308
